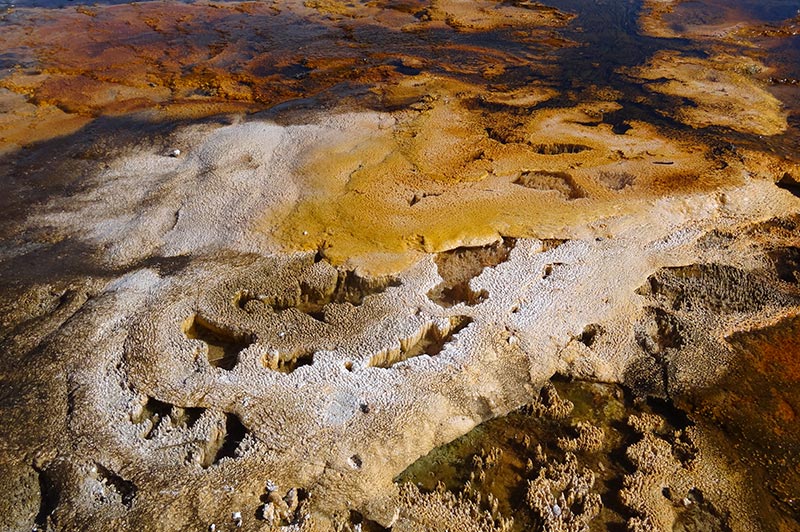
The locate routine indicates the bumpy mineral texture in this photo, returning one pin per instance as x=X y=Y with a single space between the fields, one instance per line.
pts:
x=213 y=319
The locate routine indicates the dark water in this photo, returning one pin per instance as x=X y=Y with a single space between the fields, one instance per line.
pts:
x=514 y=439
x=254 y=55
x=739 y=417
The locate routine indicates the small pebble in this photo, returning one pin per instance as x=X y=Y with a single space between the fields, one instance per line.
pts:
x=556 y=510
x=237 y=519
x=175 y=153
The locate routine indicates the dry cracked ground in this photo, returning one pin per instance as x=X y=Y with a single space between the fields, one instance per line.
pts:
x=407 y=266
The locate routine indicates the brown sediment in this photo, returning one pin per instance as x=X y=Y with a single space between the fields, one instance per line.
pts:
x=763 y=40
x=552 y=472
x=772 y=351
x=756 y=405
x=459 y=266
x=712 y=20
x=233 y=57
x=22 y=122
x=651 y=19
x=485 y=14
x=786 y=28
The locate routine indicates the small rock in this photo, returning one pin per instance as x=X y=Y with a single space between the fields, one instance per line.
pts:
x=237 y=519
x=291 y=500
x=268 y=513
x=273 y=359
x=175 y=153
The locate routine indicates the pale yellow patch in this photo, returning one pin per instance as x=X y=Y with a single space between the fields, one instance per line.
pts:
x=379 y=194
x=723 y=94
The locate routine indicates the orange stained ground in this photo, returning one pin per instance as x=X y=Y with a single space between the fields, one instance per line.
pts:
x=473 y=153
x=205 y=58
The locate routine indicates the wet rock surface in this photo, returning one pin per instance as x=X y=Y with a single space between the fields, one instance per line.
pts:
x=503 y=277
x=642 y=469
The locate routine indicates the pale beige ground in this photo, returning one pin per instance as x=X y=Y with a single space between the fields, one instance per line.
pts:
x=245 y=200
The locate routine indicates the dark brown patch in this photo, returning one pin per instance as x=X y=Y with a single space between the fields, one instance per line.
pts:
x=561 y=182
x=458 y=266
x=224 y=345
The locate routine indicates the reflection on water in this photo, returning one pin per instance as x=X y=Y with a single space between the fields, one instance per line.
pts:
x=500 y=458
x=90 y=58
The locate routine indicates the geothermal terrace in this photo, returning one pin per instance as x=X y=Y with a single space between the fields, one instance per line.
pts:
x=409 y=266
